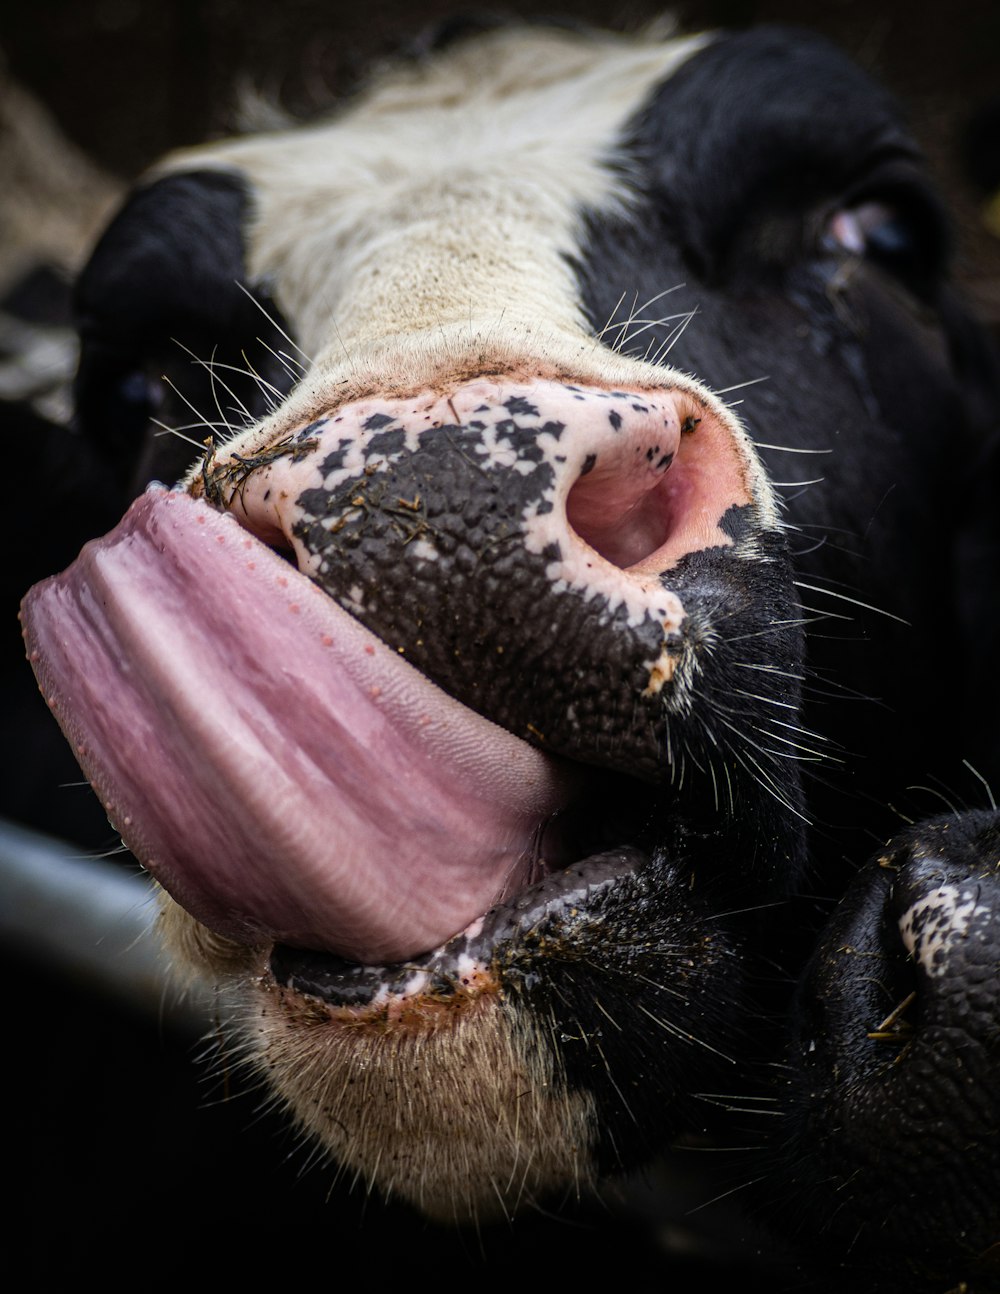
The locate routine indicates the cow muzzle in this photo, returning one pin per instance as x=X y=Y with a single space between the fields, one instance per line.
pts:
x=506 y=589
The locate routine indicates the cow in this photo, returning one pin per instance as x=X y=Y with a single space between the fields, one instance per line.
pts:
x=589 y=543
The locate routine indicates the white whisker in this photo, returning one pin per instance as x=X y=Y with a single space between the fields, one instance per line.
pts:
x=274 y=323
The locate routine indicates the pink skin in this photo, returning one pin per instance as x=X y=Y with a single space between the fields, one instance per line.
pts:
x=648 y=495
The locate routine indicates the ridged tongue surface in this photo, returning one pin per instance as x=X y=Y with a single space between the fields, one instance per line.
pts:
x=279 y=770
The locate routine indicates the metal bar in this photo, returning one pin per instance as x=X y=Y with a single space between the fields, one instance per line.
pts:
x=94 y=920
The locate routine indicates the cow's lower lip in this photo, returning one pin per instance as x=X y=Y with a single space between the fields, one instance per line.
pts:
x=467 y=963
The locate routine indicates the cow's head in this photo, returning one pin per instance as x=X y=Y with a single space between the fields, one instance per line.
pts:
x=455 y=697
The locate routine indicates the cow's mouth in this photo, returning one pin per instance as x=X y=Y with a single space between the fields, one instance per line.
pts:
x=465 y=965
x=293 y=782
x=282 y=773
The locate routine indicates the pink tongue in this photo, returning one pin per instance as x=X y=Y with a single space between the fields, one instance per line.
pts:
x=281 y=772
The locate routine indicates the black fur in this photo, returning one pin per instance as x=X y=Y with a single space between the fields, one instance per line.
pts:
x=166 y=293
x=745 y=154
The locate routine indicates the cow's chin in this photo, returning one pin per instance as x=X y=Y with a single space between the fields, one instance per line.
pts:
x=447 y=1096
x=443 y=1080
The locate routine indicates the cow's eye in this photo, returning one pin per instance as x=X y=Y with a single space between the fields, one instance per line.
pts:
x=873 y=229
x=904 y=237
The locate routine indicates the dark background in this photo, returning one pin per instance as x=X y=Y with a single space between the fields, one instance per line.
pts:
x=131 y=1165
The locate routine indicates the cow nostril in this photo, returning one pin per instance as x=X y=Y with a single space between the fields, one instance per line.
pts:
x=648 y=498
x=625 y=511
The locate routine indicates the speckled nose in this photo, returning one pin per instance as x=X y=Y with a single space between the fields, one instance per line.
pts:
x=515 y=541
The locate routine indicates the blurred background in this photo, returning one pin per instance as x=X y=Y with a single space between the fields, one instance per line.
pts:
x=130 y=1161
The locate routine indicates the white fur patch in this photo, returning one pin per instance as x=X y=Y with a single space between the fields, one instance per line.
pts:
x=448 y=192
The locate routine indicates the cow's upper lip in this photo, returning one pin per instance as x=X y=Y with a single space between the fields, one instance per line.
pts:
x=282 y=773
